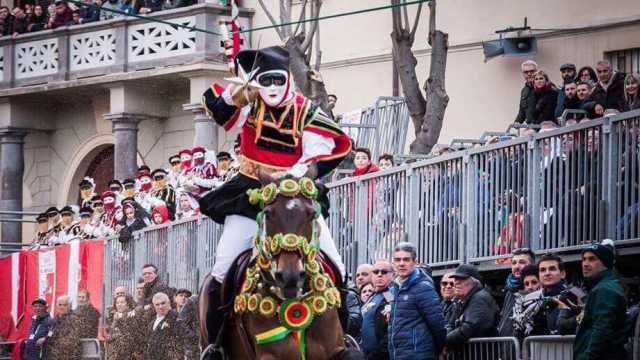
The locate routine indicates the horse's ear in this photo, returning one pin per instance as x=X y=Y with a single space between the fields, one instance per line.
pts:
x=265 y=178
x=312 y=171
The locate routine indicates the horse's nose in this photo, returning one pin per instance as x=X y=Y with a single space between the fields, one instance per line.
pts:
x=288 y=278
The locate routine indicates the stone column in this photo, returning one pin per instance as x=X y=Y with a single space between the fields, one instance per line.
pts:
x=125 y=132
x=205 y=129
x=11 y=174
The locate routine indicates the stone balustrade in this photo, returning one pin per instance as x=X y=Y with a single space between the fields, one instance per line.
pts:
x=115 y=46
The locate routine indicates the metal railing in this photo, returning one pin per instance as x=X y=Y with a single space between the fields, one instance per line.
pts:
x=381 y=128
x=556 y=190
x=491 y=348
x=6 y=347
x=548 y=347
x=183 y=252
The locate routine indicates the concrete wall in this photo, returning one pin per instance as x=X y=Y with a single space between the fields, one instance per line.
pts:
x=356 y=51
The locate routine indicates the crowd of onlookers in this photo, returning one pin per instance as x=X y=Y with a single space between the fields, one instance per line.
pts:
x=152 y=198
x=47 y=14
x=397 y=313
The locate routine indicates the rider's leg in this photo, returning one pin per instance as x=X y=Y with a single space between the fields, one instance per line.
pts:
x=329 y=246
x=237 y=237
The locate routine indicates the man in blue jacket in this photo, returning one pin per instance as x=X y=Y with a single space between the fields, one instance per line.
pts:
x=375 y=313
x=41 y=323
x=416 y=324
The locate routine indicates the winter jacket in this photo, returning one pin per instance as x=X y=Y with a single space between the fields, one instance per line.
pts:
x=505 y=325
x=613 y=96
x=449 y=309
x=476 y=317
x=375 y=337
x=355 y=316
x=88 y=320
x=154 y=287
x=90 y=13
x=39 y=329
x=545 y=104
x=62 y=19
x=547 y=321
x=527 y=105
x=416 y=326
x=601 y=332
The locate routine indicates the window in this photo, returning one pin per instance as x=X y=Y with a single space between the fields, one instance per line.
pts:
x=627 y=61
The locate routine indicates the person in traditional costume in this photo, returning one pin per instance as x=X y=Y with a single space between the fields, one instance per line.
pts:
x=203 y=174
x=116 y=186
x=54 y=224
x=173 y=173
x=111 y=209
x=188 y=206
x=163 y=191
x=282 y=133
x=69 y=228
x=43 y=230
x=87 y=191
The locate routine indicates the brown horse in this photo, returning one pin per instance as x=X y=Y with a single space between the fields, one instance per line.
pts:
x=286 y=277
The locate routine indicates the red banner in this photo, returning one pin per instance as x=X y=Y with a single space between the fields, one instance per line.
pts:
x=49 y=273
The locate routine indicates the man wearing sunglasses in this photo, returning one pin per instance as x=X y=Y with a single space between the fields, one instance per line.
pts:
x=375 y=313
x=447 y=293
x=519 y=259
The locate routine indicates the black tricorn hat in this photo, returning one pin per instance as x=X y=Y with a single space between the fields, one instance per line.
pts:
x=42 y=218
x=159 y=171
x=126 y=182
x=86 y=211
x=263 y=60
x=66 y=210
x=114 y=182
x=52 y=209
x=85 y=183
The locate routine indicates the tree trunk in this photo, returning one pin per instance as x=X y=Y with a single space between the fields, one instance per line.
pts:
x=406 y=63
x=437 y=98
x=307 y=80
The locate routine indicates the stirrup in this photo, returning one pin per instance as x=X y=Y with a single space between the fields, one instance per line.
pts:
x=212 y=352
x=351 y=343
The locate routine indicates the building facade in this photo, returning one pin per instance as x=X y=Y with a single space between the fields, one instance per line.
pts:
x=100 y=99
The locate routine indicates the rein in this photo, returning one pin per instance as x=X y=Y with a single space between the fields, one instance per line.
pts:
x=259 y=288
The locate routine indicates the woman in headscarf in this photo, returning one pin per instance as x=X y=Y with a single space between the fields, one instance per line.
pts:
x=187 y=206
x=160 y=214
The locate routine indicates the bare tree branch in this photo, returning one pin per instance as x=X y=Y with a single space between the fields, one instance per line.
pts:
x=397 y=21
x=405 y=15
x=315 y=12
x=318 y=51
x=272 y=19
x=285 y=17
x=303 y=10
x=432 y=20
x=416 y=20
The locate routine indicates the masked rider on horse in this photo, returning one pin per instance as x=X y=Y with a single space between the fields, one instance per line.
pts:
x=281 y=132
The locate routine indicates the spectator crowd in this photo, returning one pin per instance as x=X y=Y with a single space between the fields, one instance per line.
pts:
x=47 y=14
x=152 y=198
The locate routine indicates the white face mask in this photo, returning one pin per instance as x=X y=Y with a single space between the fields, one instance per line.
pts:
x=272 y=94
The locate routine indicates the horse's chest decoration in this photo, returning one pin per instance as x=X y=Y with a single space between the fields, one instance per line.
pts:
x=259 y=295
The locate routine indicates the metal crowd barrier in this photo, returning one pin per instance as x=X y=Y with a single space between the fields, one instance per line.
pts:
x=555 y=190
x=90 y=349
x=6 y=347
x=549 y=347
x=493 y=348
x=382 y=128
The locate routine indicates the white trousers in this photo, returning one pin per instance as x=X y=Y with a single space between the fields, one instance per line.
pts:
x=238 y=235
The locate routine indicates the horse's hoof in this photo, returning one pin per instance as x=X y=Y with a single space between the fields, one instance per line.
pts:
x=212 y=353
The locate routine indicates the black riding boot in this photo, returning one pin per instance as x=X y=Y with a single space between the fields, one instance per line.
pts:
x=215 y=323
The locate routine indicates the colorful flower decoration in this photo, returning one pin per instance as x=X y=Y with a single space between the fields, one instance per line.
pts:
x=240 y=304
x=267 y=306
x=319 y=283
x=289 y=187
x=308 y=188
x=295 y=315
x=254 y=302
x=312 y=267
x=319 y=304
x=290 y=242
x=269 y=193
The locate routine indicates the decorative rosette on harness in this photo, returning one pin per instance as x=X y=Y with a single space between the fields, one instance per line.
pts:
x=294 y=314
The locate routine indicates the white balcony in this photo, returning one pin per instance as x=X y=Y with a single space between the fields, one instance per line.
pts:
x=115 y=46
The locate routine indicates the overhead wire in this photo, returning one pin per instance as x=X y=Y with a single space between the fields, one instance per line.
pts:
x=193 y=28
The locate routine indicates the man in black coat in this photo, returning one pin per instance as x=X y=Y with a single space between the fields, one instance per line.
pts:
x=519 y=260
x=527 y=98
x=153 y=285
x=165 y=339
x=478 y=313
x=610 y=87
x=190 y=324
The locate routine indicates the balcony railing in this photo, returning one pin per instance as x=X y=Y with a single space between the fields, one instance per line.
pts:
x=114 y=46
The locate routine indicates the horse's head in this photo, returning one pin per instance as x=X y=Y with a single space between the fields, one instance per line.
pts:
x=288 y=216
